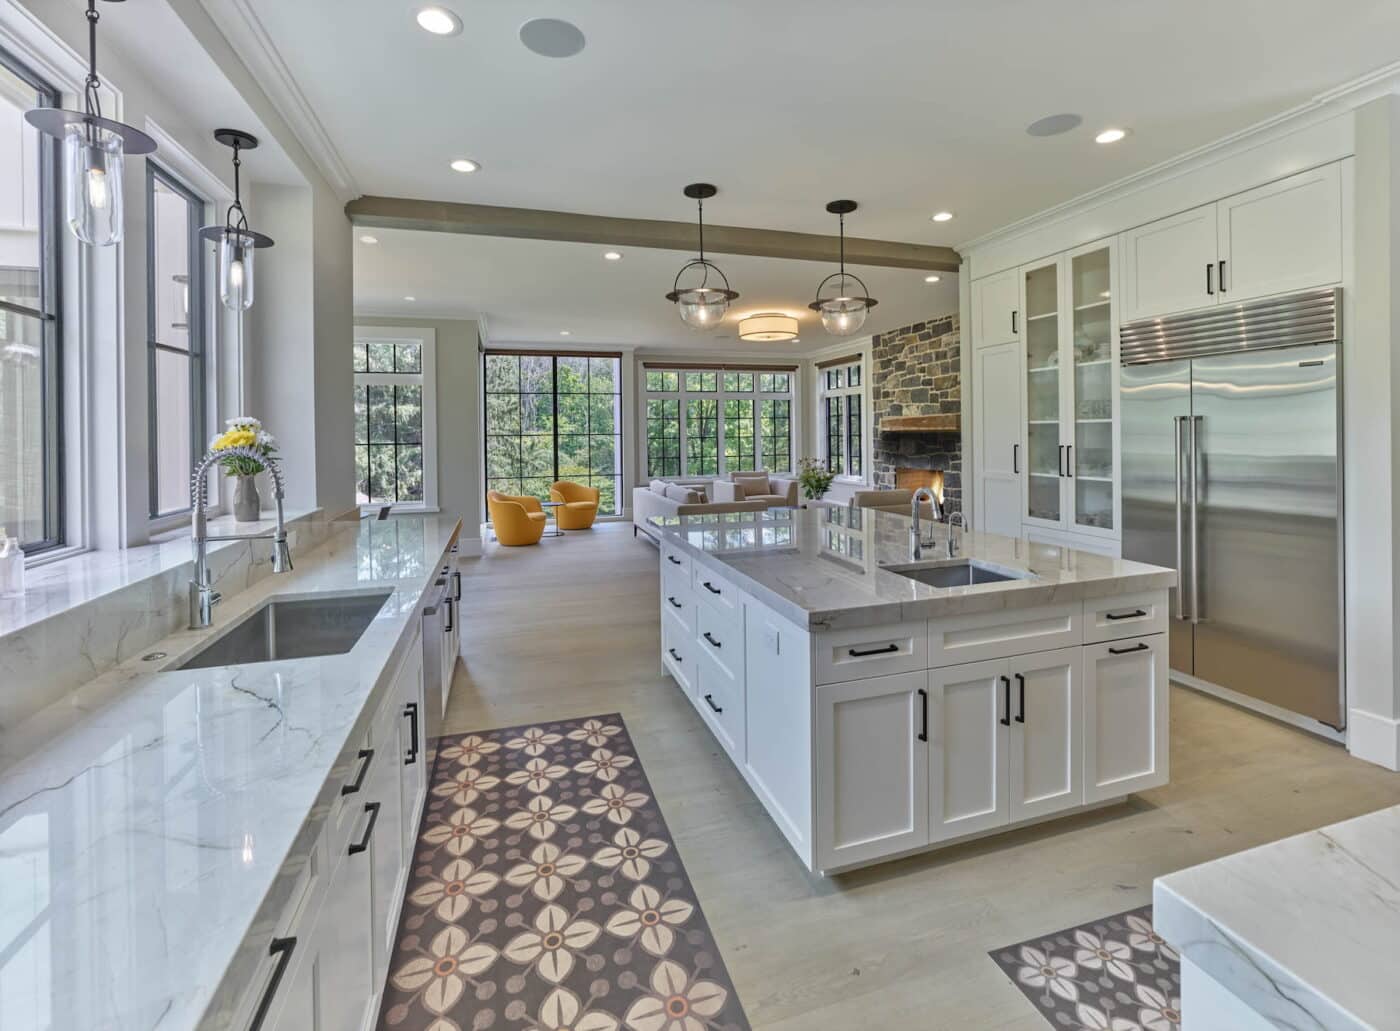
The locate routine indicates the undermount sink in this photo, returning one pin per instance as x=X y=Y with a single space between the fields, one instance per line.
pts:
x=956 y=573
x=301 y=628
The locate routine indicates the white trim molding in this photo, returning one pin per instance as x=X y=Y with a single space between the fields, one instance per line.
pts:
x=1374 y=738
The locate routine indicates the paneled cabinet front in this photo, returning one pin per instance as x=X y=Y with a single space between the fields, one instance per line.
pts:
x=1125 y=717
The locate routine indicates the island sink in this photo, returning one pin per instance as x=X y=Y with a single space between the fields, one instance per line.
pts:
x=955 y=573
x=292 y=629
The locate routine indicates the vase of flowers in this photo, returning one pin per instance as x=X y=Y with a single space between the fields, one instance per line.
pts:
x=250 y=448
x=815 y=479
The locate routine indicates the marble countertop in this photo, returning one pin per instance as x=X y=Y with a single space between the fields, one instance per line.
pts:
x=826 y=567
x=144 y=840
x=1304 y=931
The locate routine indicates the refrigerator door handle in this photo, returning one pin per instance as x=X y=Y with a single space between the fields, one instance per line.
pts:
x=1178 y=422
x=1195 y=523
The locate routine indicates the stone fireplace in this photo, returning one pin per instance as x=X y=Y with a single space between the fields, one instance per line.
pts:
x=916 y=408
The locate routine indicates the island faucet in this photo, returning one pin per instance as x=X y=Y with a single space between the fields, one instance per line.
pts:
x=962 y=520
x=916 y=542
x=203 y=597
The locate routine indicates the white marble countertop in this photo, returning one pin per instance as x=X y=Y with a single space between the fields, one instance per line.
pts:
x=141 y=843
x=825 y=567
x=1305 y=931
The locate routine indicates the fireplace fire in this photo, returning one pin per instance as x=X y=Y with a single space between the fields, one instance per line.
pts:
x=913 y=479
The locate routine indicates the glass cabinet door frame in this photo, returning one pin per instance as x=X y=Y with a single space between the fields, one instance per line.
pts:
x=1063 y=396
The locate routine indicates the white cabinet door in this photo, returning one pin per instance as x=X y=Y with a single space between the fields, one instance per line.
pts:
x=999 y=454
x=293 y=1002
x=413 y=745
x=872 y=768
x=1282 y=237
x=392 y=740
x=996 y=301
x=967 y=740
x=344 y=941
x=1166 y=265
x=1125 y=717
x=1046 y=734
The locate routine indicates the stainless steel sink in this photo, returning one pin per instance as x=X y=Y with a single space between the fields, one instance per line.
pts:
x=293 y=629
x=956 y=573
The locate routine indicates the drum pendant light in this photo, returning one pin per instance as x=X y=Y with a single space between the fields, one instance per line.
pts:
x=842 y=299
x=703 y=302
x=236 y=241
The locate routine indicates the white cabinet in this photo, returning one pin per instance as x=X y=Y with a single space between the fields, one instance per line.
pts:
x=1166 y=265
x=996 y=308
x=872 y=768
x=967 y=748
x=412 y=748
x=1125 y=717
x=997 y=438
x=390 y=793
x=343 y=943
x=1046 y=734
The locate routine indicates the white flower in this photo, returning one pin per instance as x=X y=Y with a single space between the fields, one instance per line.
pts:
x=537 y=775
x=452 y=890
x=604 y=765
x=542 y=816
x=547 y=871
x=676 y=1003
x=1095 y=953
x=1053 y=973
x=630 y=854
x=243 y=422
x=1158 y=1013
x=534 y=741
x=561 y=1011
x=1145 y=938
x=466 y=786
x=469 y=751
x=617 y=802
x=451 y=959
x=1091 y=1019
x=650 y=917
x=550 y=947
x=461 y=831
x=594 y=733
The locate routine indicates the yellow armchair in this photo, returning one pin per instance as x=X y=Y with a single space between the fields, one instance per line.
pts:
x=580 y=505
x=516 y=520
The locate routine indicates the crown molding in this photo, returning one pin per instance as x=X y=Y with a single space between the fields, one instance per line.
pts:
x=1321 y=107
x=246 y=33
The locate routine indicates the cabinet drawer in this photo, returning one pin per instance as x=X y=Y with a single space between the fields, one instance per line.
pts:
x=995 y=635
x=678 y=652
x=720 y=699
x=716 y=591
x=678 y=601
x=845 y=655
x=674 y=560
x=358 y=775
x=1130 y=615
x=720 y=637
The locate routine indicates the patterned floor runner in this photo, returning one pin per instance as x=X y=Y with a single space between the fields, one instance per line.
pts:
x=1114 y=974
x=547 y=895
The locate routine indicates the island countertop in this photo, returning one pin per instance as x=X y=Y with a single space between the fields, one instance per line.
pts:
x=144 y=842
x=827 y=568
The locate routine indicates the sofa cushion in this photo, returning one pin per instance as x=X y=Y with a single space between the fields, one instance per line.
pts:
x=684 y=495
x=751 y=484
x=659 y=487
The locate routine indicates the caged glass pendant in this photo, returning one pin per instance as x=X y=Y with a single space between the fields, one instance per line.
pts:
x=237 y=243
x=706 y=296
x=842 y=299
x=94 y=149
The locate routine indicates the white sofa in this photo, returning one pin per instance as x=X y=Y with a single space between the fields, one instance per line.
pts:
x=773 y=491
x=671 y=499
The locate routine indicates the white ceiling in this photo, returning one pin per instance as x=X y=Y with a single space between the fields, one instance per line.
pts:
x=529 y=290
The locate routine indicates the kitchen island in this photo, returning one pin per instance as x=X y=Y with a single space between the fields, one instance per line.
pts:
x=880 y=705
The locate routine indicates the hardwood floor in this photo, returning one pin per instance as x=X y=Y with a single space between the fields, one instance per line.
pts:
x=570 y=628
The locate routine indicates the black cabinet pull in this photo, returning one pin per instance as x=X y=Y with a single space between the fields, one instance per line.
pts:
x=674 y=602
x=1220 y=277
x=282 y=948
x=710 y=701
x=363 y=844
x=366 y=757
x=457 y=582
x=1021 y=715
x=447 y=627
x=675 y=655
x=1014 y=330
x=1135 y=614
x=707 y=637
x=1061 y=469
x=712 y=588
x=873 y=651
x=923 y=720
x=1005 y=721
x=1016 y=458
x=1128 y=651
x=673 y=560
x=1210 y=280
x=411 y=711
x=1069 y=460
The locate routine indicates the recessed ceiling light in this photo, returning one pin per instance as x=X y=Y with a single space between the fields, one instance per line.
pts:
x=612 y=255
x=409 y=298
x=1110 y=136
x=1054 y=125
x=552 y=37
x=943 y=216
x=565 y=333
x=439 y=21
x=932 y=279
x=465 y=165
x=369 y=239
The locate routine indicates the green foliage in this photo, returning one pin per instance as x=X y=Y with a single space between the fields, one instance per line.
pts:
x=815 y=479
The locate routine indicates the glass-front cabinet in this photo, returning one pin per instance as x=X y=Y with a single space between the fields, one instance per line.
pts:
x=1071 y=393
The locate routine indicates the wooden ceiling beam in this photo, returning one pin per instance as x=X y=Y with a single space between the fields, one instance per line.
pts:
x=532 y=224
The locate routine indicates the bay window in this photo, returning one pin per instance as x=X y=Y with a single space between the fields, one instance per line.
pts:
x=710 y=422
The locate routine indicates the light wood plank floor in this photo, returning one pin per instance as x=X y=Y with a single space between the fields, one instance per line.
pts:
x=570 y=628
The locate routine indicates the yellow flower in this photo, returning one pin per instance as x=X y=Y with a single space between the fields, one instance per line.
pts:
x=235 y=438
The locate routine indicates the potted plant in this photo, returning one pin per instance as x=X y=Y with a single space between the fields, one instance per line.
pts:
x=815 y=479
x=253 y=445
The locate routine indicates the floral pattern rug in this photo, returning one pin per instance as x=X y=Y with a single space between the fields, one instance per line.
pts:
x=547 y=895
x=1114 y=974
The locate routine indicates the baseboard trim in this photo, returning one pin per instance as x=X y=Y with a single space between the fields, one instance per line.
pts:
x=1374 y=738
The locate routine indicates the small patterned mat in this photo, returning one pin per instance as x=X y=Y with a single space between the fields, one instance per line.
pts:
x=1114 y=974
x=548 y=895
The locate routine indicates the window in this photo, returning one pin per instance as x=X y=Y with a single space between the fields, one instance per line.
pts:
x=175 y=319
x=842 y=398
x=719 y=420
x=31 y=473
x=395 y=418
x=558 y=417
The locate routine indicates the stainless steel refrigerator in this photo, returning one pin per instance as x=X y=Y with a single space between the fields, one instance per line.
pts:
x=1231 y=476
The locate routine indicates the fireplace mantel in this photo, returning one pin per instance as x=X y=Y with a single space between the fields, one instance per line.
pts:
x=945 y=423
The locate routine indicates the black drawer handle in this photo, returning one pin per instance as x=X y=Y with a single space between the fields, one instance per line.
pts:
x=707 y=637
x=1135 y=614
x=457 y=582
x=367 y=755
x=923 y=722
x=282 y=948
x=363 y=844
x=712 y=588
x=673 y=560
x=411 y=711
x=1005 y=721
x=447 y=627
x=675 y=655
x=1128 y=651
x=674 y=602
x=873 y=651
x=1021 y=714
x=710 y=701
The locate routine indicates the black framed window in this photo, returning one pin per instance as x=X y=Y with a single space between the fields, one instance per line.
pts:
x=31 y=423
x=663 y=436
x=713 y=422
x=835 y=435
x=389 y=422
x=842 y=398
x=775 y=432
x=555 y=417
x=176 y=329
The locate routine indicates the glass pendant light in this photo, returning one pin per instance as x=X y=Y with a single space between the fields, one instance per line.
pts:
x=706 y=297
x=237 y=243
x=93 y=151
x=841 y=297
